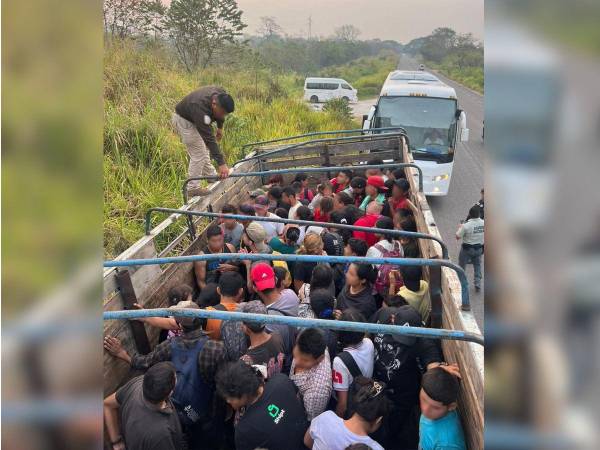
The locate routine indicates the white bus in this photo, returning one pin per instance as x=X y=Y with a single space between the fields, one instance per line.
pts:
x=428 y=110
x=318 y=90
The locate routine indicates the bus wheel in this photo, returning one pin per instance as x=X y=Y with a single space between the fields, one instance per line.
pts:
x=314 y=99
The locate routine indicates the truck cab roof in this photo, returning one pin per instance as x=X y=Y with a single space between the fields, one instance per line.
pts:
x=416 y=83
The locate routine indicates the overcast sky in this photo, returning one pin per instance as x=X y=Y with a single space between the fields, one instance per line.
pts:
x=401 y=20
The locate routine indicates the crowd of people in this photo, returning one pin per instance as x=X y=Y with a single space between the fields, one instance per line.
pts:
x=212 y=384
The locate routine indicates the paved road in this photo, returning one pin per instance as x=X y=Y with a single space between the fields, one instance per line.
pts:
x=467 y=177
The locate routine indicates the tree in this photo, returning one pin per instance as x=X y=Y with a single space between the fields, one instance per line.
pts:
x=347 y=33
x=269 y=27
x=124 y=18
x=199 y=28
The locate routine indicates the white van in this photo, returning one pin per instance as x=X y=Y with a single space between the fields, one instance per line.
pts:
x=318 y=90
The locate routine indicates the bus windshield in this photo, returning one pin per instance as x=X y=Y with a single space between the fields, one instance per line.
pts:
x=429 y=122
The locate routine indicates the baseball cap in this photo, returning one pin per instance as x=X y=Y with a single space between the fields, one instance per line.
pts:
x=404 y=316
x=377 y=181
x=185 y=322
x=253 y=307
x=261 y=202
x=332 y=244
x=256 y=232
x=256 y=193
x=263 y=276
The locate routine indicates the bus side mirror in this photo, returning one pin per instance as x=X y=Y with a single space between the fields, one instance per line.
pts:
x=365 y=117
x=464 y=135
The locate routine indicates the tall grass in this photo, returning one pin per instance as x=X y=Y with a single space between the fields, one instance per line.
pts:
x=144 y=161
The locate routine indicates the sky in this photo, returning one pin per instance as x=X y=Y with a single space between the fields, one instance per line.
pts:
x=400 y=20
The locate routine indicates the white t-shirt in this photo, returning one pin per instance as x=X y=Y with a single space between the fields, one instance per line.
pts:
x=374 y=252
x=363 y=355
x=329 y=433
x=471 y=231
x=273 y=229
x=293 y=209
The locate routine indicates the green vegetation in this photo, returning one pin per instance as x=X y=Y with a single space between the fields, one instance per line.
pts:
x=366 y=74
x=458 y=56
x=144 y=161
x=469 y=76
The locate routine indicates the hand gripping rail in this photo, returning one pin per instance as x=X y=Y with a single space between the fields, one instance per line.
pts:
x=373 y=134
x=431 y=333
x=395 y=233
x=305 y=170
x=466 y=306
x=322 y=133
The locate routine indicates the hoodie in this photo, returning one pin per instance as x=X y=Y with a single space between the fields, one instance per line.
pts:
x=418 y=300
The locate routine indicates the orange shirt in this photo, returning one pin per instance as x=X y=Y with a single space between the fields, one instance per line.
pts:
x=213 y=326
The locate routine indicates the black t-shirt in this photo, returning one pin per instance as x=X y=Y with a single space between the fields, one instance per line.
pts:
x=276 y=421
x=270 y=354
x=144 y=426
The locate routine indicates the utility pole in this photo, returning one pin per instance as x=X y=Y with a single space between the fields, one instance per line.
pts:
x=309 y=27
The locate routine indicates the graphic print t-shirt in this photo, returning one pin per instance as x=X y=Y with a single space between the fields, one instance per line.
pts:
x=276 y=421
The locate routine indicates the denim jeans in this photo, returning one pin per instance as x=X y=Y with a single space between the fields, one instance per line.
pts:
x=471 y=256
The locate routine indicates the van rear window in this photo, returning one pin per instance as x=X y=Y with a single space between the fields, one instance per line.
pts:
x=326 y=86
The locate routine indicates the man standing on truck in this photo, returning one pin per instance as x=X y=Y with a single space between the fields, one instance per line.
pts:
x=192 y=119
x=471 y=233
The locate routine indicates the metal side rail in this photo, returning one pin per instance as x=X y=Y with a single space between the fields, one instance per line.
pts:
x=362 y=138
x=395 y=233
x=306 y=170
x=431 y=333
x=462 y=277
x=322 y=133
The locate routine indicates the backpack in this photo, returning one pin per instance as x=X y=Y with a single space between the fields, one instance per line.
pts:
x=292 y=332
x=382 y=284
x=192 y=397
x=233 y=337
x=355 y=371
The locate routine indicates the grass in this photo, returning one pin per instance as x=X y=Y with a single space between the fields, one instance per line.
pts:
x=365 y=74
x=469 y=76
x=145 y=163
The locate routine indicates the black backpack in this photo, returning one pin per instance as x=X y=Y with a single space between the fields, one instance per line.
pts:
x=355 y=371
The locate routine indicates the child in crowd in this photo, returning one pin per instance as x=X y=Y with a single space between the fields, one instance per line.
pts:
x=439 y=426
x=415 y=290
x=323 y=190
x=232 y=229
x=210 y=271
x=306 y=194
x=400 y=198
x=323 y=211
x=356 y=359
x=341 y=200
x=321 y=278
x=358 y=291
x=370 y=406
x=311 y=371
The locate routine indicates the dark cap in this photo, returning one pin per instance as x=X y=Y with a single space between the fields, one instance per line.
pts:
x=333 y=244
x=404 y=316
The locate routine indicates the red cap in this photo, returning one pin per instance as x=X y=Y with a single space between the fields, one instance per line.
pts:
x=263 y=276
x=377 y=181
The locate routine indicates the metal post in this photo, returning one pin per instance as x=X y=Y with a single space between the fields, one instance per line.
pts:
x=374 y=328
x=395 y=233
x=307 y=170
x=462 y=277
